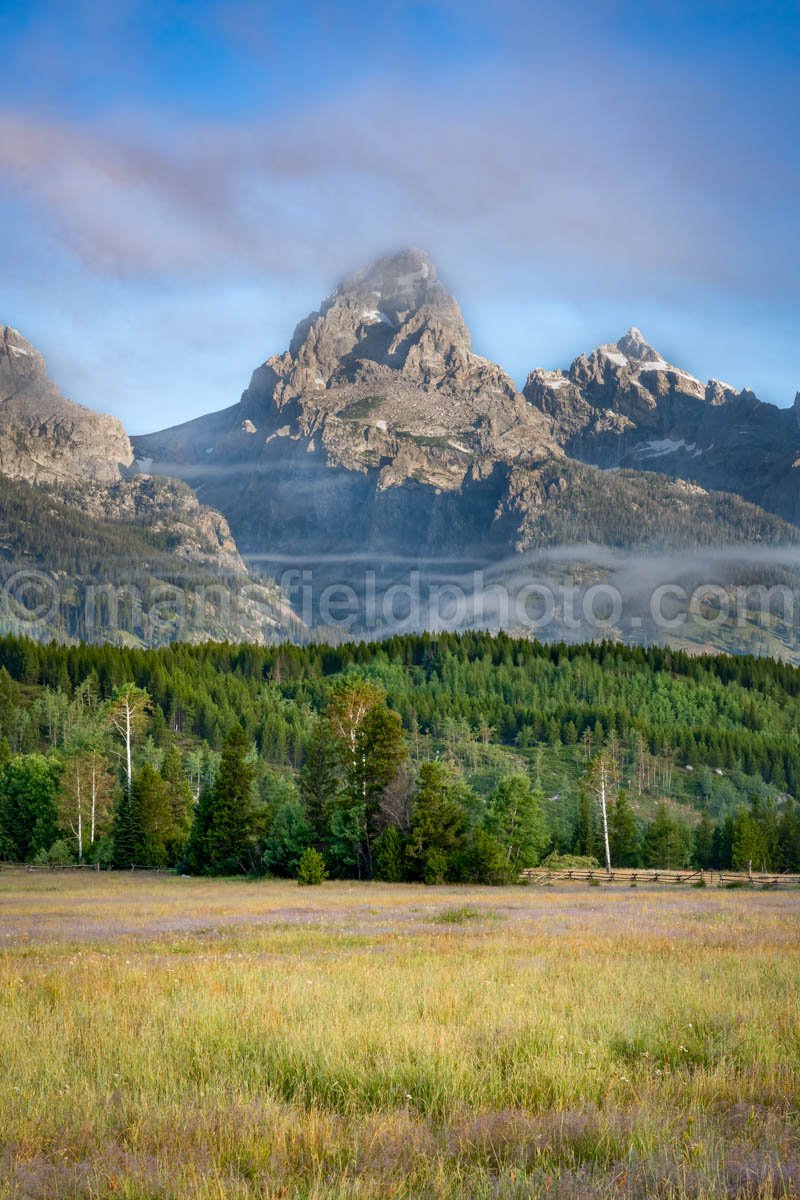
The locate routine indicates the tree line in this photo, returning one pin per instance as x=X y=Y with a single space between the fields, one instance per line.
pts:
x=223 y=759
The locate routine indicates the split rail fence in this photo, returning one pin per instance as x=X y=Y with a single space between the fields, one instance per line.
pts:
x=540 y=876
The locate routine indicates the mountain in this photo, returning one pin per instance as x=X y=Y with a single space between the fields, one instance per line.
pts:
x=45 y=438
x=624 y=405
x=89 y=549
x=379 y=444
x=377 y=410
x=380 y=465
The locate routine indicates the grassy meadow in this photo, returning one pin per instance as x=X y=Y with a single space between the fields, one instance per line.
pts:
x=169 y=1037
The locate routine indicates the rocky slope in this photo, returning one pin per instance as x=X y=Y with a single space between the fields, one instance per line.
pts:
x=45 y=438
x=75 y=512
x=624 y=405
x=379 y=443
x=382 y=378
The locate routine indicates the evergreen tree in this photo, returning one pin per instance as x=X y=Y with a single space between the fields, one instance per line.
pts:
x=221 y=842
x=319 y=781
x=290 y=834
x=152 y=818
x=368 y=738
x=438 y=822
x=179 y=793
x=482 y=859
x=723 y=844
x=704 y=842
x=311 y=868
x=586 y=841
x=623 y=833
x=666 y=843
x=127 y=835
x=390 y=861
x=749 y=848
x=515 y=819
x=790 y=837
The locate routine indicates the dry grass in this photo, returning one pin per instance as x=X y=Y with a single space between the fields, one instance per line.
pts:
x=166 y=1037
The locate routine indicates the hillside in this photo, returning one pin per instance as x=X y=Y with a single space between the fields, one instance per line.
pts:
x=158 y=571
x=700 y=735
x=92 y=550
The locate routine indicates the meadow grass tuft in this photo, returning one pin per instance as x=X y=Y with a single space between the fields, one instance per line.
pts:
x=459 y=914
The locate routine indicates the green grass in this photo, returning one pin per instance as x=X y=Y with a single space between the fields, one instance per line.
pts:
x=361 y=410
x=163 y=1037
x=458 y=915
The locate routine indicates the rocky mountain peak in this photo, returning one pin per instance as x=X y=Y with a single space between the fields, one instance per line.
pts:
x=45 y=438
x=18 y=361
x=635 y=348
x=399 y=283
x=395 y=313
x=388 y=352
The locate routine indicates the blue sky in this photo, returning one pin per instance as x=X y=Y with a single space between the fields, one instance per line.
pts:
x=181 y=182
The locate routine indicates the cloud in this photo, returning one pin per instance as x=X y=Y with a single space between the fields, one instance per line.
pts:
x=564 y=170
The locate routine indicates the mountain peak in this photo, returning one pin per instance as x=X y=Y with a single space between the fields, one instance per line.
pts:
x=633 y=346
x=44 y=437
x=396 y=285
x=402 y=269
x=395 y=316
x=18 y=358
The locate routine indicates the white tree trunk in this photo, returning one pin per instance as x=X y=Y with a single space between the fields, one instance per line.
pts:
x=80 y=811
x=604 y=811
x=94 y=795
x=128 y=764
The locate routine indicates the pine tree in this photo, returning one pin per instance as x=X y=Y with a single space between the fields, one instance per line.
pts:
x=390 y=861
x=127 y=835
x=704 y=842
x=222 y=835
x=666 y=843
x=749 y=847
x=369 y=742
x=586 y=841
x=515 y=819
x=152 y=818
x=623 y=833
x=438 y=822
x=179 y=793
x=290 y=834
x=319 y=781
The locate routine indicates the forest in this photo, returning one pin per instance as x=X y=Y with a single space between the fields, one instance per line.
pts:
x=426 y=758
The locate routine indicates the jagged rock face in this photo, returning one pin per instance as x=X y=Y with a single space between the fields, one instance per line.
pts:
x=390 y=347
x=382 y=377
x=45 y=438
x=624 y=405
x=164 y=506
x=78 y=461
x=380 y=442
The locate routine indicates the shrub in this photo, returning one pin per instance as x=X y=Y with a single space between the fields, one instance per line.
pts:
x=59 y=855
x=311 y=868
x=570 y=862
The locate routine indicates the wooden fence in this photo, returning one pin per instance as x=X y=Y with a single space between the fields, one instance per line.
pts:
x=629 y=875
x=9 y=866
